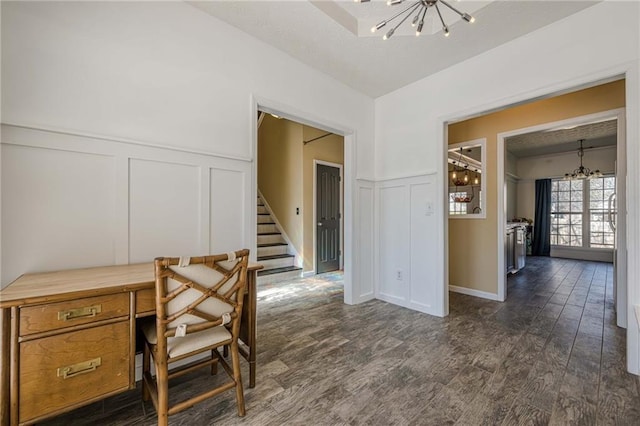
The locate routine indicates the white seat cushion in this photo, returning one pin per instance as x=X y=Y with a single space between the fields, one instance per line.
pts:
x=177 y=346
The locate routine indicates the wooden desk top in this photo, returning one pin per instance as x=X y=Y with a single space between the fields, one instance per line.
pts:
x=86 y=282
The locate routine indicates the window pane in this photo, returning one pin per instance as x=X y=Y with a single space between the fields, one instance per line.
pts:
x=564 y=196
x=456 y=207
x=576 y=185
x=563 y=185
x=610 y=182
x=608 y=193
x=576 y=207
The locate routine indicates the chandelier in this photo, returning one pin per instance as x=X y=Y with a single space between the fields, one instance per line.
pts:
x=460 y=174
x=419 y=8
x=582 y=172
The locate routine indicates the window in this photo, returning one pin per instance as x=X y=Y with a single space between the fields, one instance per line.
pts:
x=580 y=212
x=457 y=207
x=600 y=191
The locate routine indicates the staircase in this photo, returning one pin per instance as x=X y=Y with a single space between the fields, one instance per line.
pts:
x=274 y=253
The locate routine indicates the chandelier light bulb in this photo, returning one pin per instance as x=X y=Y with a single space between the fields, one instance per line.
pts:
x=470 y=19
x=419 y=30
x=446 y=31
x=378 y=26
x=454 y=175
x=466 y=178
x=388 y=35
x=415 y=20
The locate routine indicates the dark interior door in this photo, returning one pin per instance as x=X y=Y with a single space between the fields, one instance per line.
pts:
x=328 y=218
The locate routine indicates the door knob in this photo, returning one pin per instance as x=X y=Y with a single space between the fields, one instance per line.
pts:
x=319 y=223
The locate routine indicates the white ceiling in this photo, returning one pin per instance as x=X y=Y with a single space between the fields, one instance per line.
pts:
x=595 y=135
x=333 y=36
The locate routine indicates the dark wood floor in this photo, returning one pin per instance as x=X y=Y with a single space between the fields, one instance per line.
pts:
x=551 y=354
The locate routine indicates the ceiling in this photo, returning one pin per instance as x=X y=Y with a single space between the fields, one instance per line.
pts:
x=333 y=36
x=596 y=135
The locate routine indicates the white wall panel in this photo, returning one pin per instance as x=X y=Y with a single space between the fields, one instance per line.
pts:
x=228 y=211
x=164 y=210
x=58 y=209
x=393 y=241
x=407 y=223
x=365 y=243
x=424 y=278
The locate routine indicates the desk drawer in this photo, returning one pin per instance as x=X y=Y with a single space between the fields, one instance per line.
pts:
x=71 y=368
x=53 y=316
x=146 y=301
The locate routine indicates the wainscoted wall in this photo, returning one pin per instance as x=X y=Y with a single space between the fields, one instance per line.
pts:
x=366 y=239
x=78 y=201
x=407 y=223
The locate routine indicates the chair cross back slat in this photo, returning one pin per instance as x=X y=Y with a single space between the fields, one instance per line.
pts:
x=193 y=328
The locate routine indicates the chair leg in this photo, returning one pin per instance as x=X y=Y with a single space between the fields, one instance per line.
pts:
x=237 y=377
x=162 y=384
x=146 y=367
x=214 y=366
x=225 y=351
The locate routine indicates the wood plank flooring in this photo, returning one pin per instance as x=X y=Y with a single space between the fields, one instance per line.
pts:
x=551 y=354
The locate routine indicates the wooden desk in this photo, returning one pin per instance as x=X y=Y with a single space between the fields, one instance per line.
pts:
x=68 y=337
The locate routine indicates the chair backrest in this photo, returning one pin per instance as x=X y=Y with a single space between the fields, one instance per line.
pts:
x=197 y=293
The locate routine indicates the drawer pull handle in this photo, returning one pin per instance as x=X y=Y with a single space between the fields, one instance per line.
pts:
x=87 y=311
x=79 y=368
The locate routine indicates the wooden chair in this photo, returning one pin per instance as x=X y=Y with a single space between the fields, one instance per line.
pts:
x=198 y=308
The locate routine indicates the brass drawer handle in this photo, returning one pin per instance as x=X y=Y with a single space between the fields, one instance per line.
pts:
x=79 y=368
x=87 y=311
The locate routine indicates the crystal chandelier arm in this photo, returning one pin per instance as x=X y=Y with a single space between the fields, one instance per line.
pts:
x=464 y=16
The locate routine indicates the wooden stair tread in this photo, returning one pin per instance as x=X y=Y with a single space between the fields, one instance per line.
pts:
x=272 y=244
x=269 y=233
x=274 y=256
x=278 y=270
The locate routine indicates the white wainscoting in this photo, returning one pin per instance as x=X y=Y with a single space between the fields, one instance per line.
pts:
x=73 y=201
x=407 y=223
x=366 y=241
x=163 y=210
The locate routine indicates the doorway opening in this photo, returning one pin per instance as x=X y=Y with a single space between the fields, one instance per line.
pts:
x=581 y=218
x=290 y=152
x=486 y=268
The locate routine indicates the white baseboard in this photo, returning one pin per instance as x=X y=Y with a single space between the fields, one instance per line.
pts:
x=475 y=293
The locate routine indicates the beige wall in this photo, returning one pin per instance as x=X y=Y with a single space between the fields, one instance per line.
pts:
x=280 y=173
x=285 y=176
x=473 y=257
x=328 y=149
